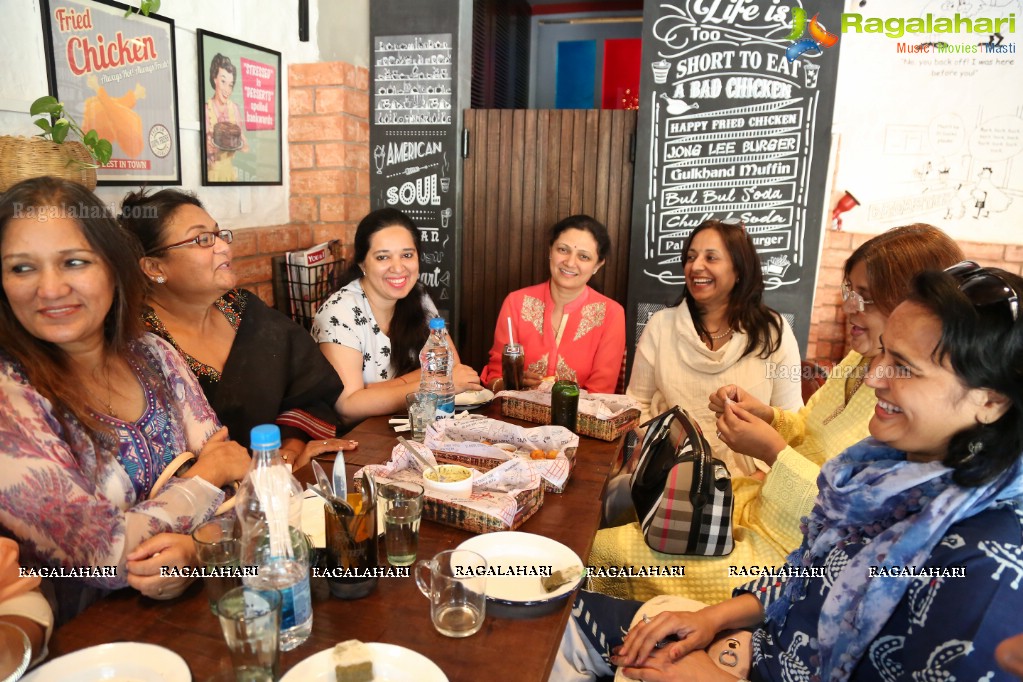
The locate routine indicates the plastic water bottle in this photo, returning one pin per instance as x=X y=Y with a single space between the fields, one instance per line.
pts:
x=269 y=508
x=438 y=369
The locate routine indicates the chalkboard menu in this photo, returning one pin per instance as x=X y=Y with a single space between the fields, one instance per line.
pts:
x=413 y=131
x=730 y=129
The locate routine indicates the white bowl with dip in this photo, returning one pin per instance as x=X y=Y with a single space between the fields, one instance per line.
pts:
x=457 y=480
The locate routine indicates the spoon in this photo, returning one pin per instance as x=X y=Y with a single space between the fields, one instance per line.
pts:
x=422 y=460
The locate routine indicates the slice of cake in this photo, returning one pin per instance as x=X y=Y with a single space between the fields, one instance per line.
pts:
x=353 y=662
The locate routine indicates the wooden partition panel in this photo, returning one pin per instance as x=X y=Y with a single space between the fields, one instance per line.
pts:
x=527 y=169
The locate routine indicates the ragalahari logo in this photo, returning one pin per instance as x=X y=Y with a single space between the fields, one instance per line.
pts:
x=819 y=38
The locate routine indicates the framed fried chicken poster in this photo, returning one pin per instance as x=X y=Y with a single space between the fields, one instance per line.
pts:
x=239 y=112
x=114 y=70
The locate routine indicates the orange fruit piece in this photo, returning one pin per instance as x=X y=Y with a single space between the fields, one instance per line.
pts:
x=537 y=454
x=552 y=454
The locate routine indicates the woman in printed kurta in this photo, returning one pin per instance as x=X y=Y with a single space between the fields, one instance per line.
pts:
x=566 y=329
x=911 y=561
x=767 y=512
x=93 y=410
x=254 y=364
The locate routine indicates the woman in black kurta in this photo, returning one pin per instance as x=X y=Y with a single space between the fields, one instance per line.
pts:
x=255 y=365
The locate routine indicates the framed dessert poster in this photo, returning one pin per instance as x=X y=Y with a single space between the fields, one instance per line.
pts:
x=115 y=74
x=239 y=112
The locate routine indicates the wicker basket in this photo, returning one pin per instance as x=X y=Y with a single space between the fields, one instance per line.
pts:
x=450 y=513
x=454 y=514
x=22 y=158
x=586 y=425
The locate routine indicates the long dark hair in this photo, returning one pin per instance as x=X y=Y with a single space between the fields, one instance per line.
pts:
x=409 y=330
x=746 y=310
x=984 y=346
x=146 y=215
x=45 y=364
x=893 y=257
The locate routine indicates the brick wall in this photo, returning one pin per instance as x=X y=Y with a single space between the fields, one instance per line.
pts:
x=328 y=154
x=828 y=336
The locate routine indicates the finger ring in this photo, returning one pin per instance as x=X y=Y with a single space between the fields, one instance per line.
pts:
x=324 y=442
x=284 y=456
x=718 y=433
x=646 y=619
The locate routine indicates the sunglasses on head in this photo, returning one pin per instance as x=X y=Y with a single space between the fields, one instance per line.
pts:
x=984 y=287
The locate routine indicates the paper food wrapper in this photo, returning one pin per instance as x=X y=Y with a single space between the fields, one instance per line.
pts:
x=598 y=405
x=493 y=492
x=464 y=437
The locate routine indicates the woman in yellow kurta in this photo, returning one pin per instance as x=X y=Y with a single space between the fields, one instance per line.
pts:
x=767 y=513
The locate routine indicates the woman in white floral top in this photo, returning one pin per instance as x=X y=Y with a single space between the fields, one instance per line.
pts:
x=372 y=329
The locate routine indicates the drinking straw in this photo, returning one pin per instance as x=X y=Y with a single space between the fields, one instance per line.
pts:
x=511 y=339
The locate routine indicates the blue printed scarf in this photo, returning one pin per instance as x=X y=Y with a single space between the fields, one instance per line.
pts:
x=905 y=508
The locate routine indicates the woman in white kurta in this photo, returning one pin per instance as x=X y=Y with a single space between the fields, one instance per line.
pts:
x=720 y=332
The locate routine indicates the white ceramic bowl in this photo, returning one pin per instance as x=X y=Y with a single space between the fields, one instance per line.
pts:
x=461 y=487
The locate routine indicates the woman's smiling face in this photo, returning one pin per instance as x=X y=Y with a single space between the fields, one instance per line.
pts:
x=391 y=266
x=921 y=402
x=59 y=288
x=574 y=259
x=867 y=325
x=710 y=273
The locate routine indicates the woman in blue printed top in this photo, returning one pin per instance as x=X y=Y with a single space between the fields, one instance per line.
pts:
x=912 y=561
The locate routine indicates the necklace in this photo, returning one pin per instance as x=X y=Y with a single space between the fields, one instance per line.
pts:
x=718 y=337
x=108 y=402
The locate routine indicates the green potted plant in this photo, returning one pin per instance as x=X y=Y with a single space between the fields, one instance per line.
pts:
x=51 y=152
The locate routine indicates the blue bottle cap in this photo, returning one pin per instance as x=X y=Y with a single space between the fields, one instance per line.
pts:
x=437 y=323
x=265 y=437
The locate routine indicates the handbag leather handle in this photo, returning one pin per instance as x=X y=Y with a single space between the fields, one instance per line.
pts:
x=701 y=456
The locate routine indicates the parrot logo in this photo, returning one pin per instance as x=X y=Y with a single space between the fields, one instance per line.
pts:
x=819 y=38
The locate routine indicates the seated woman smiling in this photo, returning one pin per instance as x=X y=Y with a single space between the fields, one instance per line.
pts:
x=254 y=364
x=93 y=408
x=566 y=329
x=372 y=329
x=901 y=573
x=719 y=331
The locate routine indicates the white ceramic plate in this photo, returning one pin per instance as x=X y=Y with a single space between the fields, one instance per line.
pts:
x=117 y=662
x=391 y=663
x=512 y=549
x=468 y=400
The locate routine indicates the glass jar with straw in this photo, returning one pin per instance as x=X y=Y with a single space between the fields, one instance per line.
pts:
x=513 y=362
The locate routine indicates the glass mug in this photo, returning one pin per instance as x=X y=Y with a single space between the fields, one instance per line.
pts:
x=454 y=581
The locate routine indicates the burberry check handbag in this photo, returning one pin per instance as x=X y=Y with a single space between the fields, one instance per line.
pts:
x=683 y=496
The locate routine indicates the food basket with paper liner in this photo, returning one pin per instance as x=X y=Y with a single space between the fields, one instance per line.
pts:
x=601 y=415
x=502 y=498
x=487 y=443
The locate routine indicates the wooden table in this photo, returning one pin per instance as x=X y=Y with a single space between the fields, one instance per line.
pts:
x=519 y=650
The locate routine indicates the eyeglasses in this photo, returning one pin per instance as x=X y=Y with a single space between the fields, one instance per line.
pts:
x=853 y=301
x=984 y=287
x=203 y=239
